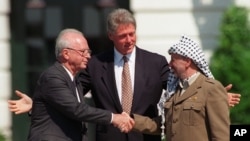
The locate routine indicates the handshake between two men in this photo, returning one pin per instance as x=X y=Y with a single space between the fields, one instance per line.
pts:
x=23 y=105
x=123 y=121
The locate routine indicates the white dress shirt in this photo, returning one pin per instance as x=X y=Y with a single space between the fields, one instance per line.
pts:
x=118 y=67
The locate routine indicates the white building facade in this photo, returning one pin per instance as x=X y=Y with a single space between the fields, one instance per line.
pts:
x=160 y=23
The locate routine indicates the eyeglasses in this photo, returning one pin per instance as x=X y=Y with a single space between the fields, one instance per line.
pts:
x=81 y=52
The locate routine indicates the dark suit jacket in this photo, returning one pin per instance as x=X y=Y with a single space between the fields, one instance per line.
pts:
x=56 y=113
x=150 y=79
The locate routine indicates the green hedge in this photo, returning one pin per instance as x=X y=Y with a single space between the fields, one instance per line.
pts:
x=230 y=62
x=2 y=137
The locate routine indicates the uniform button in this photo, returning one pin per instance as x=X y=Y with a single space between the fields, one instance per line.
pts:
x=175 y=120
x=173 y=133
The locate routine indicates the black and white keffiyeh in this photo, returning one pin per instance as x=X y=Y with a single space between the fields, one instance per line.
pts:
x=188 y=48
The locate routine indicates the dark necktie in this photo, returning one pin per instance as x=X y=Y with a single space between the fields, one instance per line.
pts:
x=77 y=94
x=127 y=94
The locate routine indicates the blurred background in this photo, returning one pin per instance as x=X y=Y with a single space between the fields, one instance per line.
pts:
x=29 y=28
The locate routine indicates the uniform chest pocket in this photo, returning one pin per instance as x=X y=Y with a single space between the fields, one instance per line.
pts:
x=191 y=114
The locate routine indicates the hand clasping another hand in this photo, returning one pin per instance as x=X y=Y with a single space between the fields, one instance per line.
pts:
x=123 y=121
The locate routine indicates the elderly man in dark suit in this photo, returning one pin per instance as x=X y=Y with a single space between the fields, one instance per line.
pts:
x=59 y=111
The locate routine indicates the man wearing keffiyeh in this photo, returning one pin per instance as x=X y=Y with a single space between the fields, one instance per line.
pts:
x=195 y=104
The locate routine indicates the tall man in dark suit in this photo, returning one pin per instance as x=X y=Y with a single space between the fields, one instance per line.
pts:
x=103 y=77
x=58 y=107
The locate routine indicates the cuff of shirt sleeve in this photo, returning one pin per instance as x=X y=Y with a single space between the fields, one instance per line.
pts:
x=111 y=118
x=29 y=113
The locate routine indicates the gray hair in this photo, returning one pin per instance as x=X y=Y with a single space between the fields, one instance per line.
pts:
x=117 y=17
x=63 y=41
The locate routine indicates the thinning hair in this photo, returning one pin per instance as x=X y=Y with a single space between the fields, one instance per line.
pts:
x=117 y=17
x=63 y=41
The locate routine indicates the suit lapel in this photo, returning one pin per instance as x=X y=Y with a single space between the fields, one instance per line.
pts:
x=139 y=78
x=108 y=78
x=72 y=86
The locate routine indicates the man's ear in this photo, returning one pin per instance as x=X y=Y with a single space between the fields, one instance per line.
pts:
x=189 y=62
x=110 y=36
x=65 y=54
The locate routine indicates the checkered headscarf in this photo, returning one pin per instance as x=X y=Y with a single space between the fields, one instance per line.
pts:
x=187 y=48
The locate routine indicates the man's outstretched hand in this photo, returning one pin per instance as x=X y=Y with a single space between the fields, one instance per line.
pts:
x=22 y=105
x=233 y=98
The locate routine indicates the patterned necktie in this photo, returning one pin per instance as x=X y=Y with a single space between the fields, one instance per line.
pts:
x=127 y=94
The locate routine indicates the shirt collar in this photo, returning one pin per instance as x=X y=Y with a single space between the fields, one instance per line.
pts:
x=69 y=73
x=118 y=56
x=188 y=81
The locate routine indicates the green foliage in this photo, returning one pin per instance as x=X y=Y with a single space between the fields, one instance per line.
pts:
x=230 y=62
x=2 y=137
x=163 y=138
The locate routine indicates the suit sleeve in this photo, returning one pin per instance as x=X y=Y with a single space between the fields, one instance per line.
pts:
x=57 y=92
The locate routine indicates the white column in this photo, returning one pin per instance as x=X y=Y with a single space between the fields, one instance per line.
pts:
x=5 y=68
